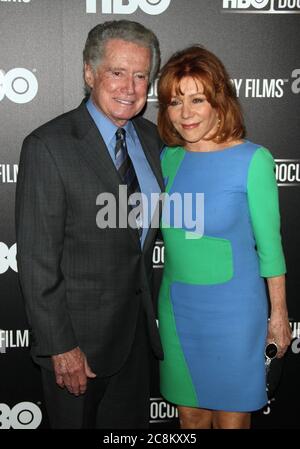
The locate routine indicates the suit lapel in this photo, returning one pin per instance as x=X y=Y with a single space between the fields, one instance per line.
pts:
x=93 y=151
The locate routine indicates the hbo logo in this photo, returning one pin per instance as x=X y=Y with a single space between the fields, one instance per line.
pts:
x=19 y=85
x=152 y=7
x=244 y=4
x=8 y=258
x=24 y=415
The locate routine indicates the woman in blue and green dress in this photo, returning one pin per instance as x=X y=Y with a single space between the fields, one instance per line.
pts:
x=213 y=308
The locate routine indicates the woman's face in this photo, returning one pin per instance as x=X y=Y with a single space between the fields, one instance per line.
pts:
x=192 y=115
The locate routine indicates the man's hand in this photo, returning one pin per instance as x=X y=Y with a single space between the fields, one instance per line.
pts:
x=72 y=370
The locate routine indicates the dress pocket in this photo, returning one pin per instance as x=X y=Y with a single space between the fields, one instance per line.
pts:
x=205 y=260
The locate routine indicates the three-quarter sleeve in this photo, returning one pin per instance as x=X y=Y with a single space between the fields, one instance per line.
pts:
x=264 y=212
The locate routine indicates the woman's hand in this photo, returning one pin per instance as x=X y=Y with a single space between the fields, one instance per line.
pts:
x=279 y=332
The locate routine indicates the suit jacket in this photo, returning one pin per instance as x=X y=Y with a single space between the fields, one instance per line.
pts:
x=83 y=286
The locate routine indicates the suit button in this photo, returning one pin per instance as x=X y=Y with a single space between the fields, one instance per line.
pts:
x=138 y=291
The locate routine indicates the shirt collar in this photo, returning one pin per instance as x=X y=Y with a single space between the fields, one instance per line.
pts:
x=106 y=126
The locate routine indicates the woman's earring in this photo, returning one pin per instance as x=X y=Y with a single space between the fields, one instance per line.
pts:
x=218 y=127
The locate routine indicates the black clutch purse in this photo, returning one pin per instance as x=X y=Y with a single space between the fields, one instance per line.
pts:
x=273 y=369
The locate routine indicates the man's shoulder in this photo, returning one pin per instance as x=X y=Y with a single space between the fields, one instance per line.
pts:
x=61 y=125
x=145 y=123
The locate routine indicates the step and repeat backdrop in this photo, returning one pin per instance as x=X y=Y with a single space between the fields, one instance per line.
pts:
x=41 y=44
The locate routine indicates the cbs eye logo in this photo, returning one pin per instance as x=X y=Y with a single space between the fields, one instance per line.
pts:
x=24 y=415
x=18 y=85
x=152 y=7
x=8 y=258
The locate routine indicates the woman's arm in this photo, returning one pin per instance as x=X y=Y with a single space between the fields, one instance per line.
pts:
x=265 y=216
x=279 y=330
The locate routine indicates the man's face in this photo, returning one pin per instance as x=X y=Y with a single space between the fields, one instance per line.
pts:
x=120 y=84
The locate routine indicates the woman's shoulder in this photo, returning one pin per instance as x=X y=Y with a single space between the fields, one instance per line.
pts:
x=261 y=162
x=259 y=152
x=254 y=151
x=254 y=147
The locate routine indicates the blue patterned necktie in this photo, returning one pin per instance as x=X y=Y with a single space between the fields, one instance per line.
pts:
x=126 y=170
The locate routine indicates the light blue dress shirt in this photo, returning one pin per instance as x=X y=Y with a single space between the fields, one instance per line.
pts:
x=146 y=178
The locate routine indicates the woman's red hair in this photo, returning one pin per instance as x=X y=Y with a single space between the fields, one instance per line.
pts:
x=201 y=65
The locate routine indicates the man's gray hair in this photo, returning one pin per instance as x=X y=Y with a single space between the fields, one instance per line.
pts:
x=126 y=30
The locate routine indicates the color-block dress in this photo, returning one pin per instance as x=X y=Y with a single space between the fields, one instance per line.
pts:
x=212 y=303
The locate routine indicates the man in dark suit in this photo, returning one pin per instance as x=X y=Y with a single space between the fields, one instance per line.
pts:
x=86 y=286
